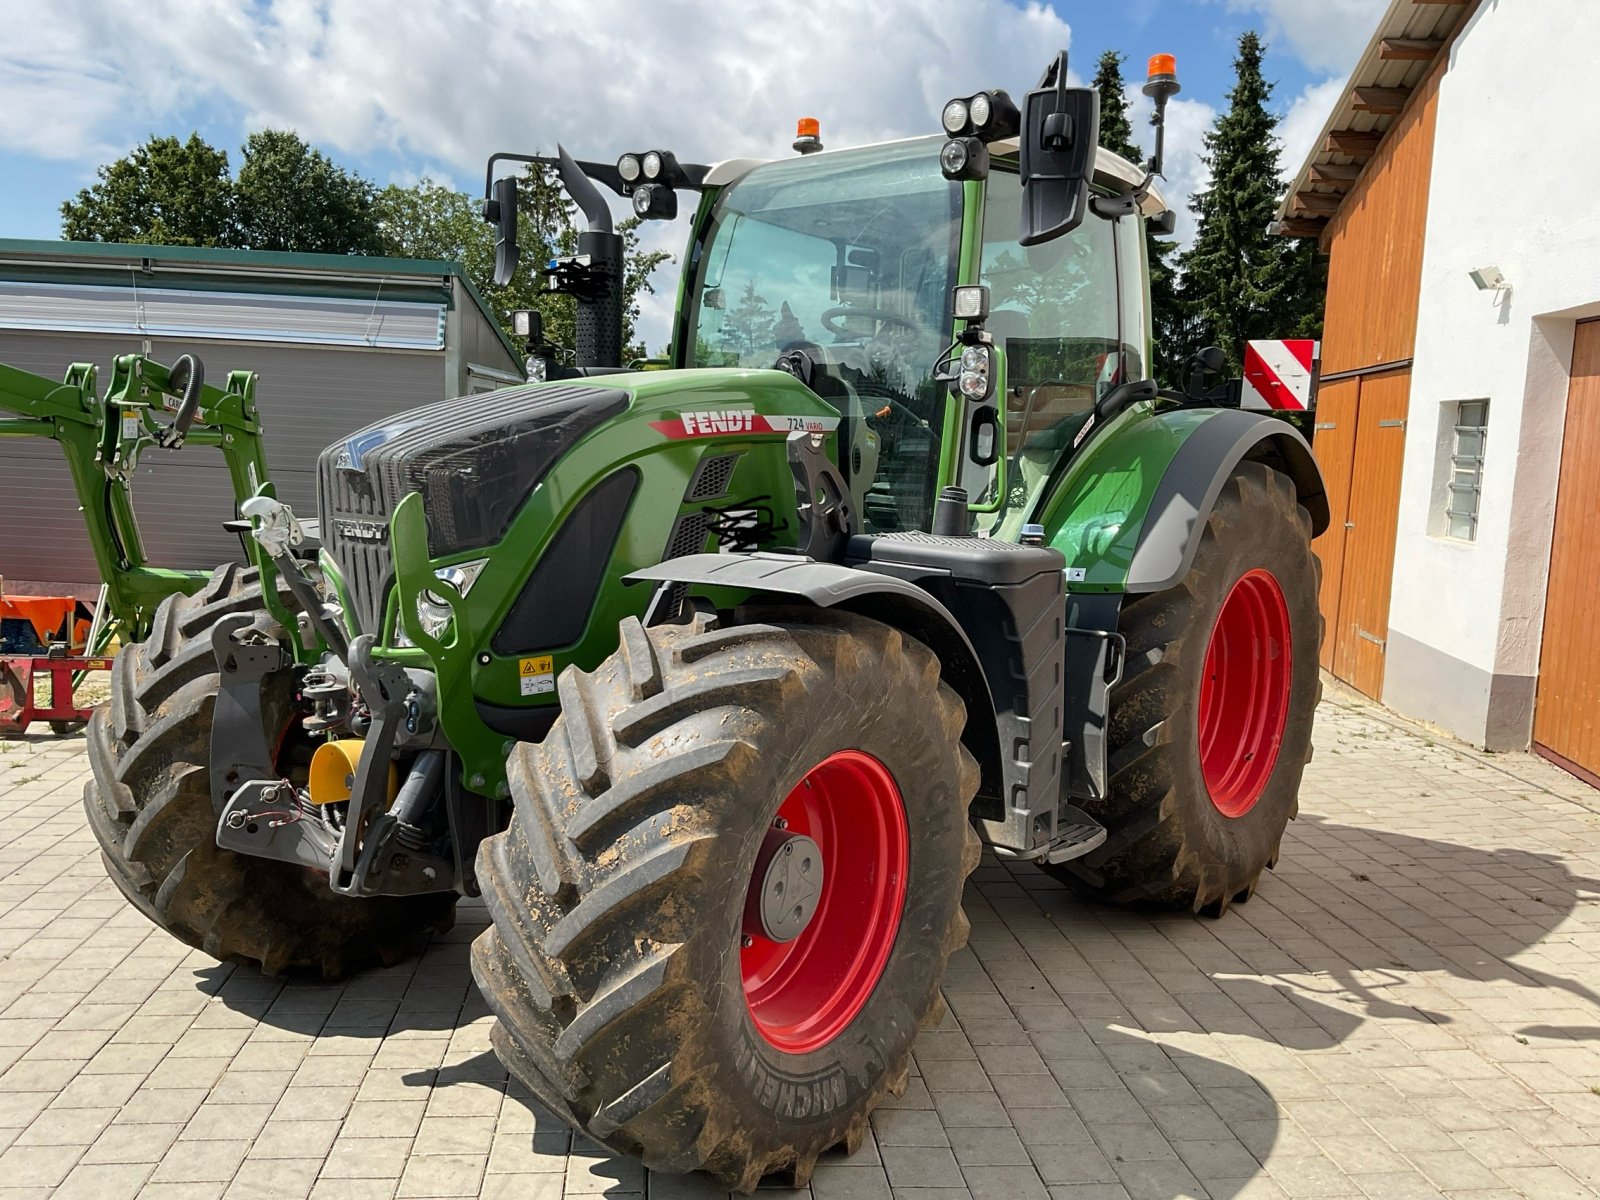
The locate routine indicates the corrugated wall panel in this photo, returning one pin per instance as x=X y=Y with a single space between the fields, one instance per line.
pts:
x=1375 y=245
x=181 y=313
x=309 y=398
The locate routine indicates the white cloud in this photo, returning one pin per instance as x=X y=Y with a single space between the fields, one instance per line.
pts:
x=451 y=83
x=1304 y=121
x=454 y=82
x=1326 y=35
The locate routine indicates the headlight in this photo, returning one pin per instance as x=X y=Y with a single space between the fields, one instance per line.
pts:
x=628 y=167
x=978 y=109
x=954 y=117
x=433 y=610
x=652 y=165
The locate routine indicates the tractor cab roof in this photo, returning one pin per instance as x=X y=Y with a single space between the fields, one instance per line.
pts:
x=1110 y=170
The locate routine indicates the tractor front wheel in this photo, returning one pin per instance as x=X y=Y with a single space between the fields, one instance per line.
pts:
x=1210 y=727
x=725 y=903
x=149 y=804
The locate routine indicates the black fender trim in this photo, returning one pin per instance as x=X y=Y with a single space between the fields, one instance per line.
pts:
x=1188 y=490
x=886 y=598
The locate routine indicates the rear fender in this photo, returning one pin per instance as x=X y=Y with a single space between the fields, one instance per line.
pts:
x=1128 y=513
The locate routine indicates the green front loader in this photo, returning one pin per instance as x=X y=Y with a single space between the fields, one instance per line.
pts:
x=713 y=680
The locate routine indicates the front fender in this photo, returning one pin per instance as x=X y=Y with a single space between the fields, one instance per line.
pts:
x=1127 y=514
x=897 y=602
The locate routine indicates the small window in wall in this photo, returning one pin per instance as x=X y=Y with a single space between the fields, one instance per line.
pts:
x=1464 y=486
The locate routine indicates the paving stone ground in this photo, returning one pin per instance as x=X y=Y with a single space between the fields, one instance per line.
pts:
x=1407 y=1008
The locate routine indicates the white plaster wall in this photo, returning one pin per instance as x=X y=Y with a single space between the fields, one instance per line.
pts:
x=1515 y=184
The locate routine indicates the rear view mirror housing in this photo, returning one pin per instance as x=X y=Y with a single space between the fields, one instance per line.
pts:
x=502 y=211
x=1060 y=130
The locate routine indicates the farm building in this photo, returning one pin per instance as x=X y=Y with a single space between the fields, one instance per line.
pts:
x=339 y=341
x=1459 y=417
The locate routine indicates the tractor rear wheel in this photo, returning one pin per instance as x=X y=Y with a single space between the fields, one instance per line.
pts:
x=730 y=888
x=1210 y=726
x=149 y=804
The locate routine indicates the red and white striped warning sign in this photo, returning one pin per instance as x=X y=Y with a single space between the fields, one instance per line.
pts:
x=1280 y=374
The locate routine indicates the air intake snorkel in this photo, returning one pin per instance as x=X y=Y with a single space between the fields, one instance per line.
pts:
x=596 y=271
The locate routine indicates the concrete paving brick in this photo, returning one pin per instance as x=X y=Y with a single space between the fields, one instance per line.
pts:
x=1406 y=1007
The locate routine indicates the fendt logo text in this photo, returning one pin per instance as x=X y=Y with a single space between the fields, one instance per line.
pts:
x=730 y=420
x=362 y=531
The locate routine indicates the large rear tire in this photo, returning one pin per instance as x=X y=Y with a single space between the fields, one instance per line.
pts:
x=637 y=994
x=149 y=804
x=1210 y=727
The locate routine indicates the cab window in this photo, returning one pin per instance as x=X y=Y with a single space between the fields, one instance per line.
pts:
x=1055 y=310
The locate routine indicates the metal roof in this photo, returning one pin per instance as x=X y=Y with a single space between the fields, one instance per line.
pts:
x=268 y=270
x=1398 y=58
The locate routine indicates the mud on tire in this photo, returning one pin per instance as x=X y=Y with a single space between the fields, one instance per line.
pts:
x=1170 y=846
x=614 y=961
x=149 y=804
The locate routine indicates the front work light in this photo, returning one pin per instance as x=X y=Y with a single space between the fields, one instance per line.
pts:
x=955 y=117
x=989 y=116
x=629 y=167
x=964 y=158
x=655 y=202
x=970 y=302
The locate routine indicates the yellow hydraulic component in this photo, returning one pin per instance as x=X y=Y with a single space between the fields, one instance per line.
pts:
x=333 y=771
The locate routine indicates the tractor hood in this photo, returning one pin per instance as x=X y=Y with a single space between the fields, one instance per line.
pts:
x=476 y=460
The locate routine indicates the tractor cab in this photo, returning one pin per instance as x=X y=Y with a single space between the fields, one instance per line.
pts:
x=839 y=267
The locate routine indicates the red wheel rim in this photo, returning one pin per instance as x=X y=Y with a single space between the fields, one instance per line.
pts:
x=1244 y=694
x=804 y=993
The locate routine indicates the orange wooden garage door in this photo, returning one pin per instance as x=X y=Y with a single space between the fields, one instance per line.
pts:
x=1360 y=444
x=1566 y=721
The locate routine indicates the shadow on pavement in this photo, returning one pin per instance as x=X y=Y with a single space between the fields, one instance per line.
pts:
x=1340 y=935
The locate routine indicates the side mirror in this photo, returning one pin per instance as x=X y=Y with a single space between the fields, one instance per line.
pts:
x=1060 y=130
x=502 y=210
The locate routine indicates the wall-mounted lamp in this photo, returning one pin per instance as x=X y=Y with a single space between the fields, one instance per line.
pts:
x=1490 y=279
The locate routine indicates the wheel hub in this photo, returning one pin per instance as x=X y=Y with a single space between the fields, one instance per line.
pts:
x=785 y=888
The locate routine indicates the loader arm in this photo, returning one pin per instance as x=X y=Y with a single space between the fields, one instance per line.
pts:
x=102 y=439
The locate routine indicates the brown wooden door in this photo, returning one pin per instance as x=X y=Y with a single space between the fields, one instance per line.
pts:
x=1566 y=719
x=1372 y=513
x=1335 y=444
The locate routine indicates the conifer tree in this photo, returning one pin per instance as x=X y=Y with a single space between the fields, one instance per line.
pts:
x=1116 y=135
x=1240 y=281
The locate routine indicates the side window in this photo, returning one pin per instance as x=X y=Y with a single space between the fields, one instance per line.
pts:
x=1056 y=311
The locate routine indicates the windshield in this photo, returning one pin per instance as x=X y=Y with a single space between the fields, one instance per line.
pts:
x=843 y=265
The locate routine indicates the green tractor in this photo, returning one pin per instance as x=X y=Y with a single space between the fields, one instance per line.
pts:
x=712 y=680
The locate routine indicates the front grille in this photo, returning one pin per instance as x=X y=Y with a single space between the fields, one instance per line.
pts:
x=350 y=503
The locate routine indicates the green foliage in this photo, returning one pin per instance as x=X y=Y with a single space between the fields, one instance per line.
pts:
x=748 y=327
x=430 y=221
x=1116 y=129
x=289 y=196
x=1240 y=281
x=165 y=192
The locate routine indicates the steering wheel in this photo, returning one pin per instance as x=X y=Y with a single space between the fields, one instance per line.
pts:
x=882 y=315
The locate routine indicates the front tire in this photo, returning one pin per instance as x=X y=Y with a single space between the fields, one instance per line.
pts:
x=1210 y=727
x=149 y=805
x=637 y=991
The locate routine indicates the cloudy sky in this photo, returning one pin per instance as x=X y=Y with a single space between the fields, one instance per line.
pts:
x=402 y=90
